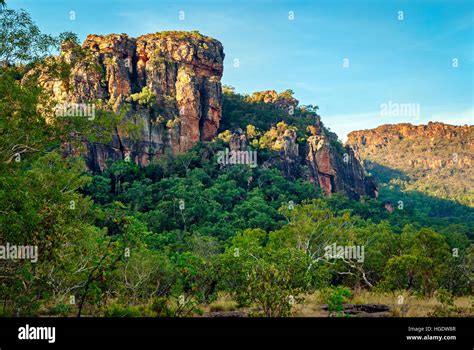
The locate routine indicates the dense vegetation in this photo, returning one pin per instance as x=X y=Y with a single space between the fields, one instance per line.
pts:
x=166 y=239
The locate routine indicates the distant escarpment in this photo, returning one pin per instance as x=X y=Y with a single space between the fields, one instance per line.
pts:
x=436 y=158
x=169 y=83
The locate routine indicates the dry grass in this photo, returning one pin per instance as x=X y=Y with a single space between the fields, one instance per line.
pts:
x=412 y=306
x=223 y=303
x=311 y=306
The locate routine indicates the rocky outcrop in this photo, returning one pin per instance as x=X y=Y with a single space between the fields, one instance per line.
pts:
x=238 y=141
x=363 y=310
x=320 y=159
x=167 y=83
x=283 y=100
x=336 y=169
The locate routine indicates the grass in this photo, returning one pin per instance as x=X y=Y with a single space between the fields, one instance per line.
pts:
x=223 y=303
x=411 y=306
x=312 y=306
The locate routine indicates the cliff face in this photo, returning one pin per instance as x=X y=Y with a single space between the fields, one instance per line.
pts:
x=436 y=158
x=180 y=74
x=337 y=170
x=168 y=85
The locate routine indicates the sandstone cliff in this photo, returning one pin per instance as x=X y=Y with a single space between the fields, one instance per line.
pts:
x=177 y=74
x=338 y=170
x=168 y=85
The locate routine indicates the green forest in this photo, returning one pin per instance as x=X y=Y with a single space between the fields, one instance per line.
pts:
x=185 y=236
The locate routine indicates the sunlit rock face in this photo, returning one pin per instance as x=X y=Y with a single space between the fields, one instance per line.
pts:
x=180 y=70
x=385 y=138
x=337 y=170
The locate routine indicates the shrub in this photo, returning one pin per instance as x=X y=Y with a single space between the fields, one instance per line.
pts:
x=335 y=299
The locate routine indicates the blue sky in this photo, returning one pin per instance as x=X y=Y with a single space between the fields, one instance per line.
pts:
x=402 y=61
